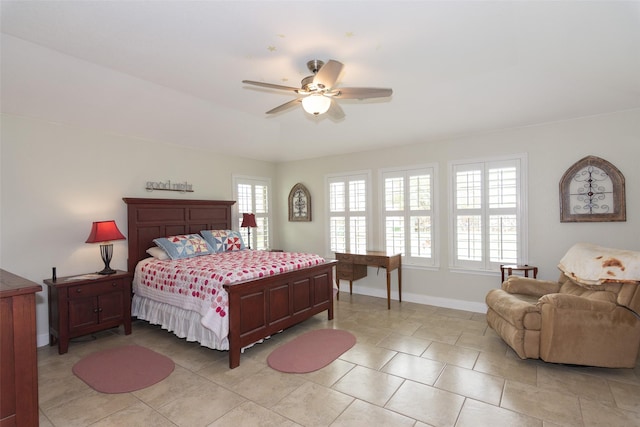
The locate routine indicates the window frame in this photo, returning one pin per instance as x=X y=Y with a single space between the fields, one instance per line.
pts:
x=236 y=215
x=346 y=177
x=521 y=211
x=405 y=172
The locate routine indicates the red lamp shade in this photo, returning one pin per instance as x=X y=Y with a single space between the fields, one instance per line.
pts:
x=248 y=220
x=104 y=231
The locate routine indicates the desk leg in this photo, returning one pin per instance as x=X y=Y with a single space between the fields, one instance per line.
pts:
x=400 y=282
x=388 y=289
x=350 y=287
x=338 y=285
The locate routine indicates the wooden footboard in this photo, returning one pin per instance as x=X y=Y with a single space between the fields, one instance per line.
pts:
x=260 y=308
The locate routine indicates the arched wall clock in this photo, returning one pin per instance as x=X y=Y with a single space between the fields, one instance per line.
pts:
x=299 y=203
x=592 y=190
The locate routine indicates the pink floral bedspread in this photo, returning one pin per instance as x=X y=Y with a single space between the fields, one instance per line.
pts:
x=196 y=283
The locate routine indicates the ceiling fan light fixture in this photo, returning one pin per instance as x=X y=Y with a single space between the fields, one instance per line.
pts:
x=316 y=104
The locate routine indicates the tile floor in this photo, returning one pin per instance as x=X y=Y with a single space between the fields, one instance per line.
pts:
x=413 y=365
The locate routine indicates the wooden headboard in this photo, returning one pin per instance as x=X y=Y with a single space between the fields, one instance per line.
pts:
x=152 y=218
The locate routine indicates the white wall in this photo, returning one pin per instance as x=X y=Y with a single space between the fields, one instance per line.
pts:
x=56 y=180
x=551 y=149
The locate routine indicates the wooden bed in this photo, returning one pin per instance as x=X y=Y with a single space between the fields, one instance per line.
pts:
x=257 y=308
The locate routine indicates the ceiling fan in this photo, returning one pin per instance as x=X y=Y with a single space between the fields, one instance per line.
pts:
x=318 y=91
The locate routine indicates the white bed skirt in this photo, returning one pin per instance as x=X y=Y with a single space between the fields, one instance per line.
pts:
x=183 y=323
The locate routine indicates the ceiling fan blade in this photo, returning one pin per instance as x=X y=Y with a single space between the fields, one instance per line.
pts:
x=271 y=85
x=284 y=106
x=328 y=75
x=362 y=92
x=335 y=111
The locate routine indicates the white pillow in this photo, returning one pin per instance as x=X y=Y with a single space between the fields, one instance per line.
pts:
x=158 y=253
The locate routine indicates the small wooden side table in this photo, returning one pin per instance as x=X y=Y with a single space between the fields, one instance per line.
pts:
x=525 y=268
x=82 y=305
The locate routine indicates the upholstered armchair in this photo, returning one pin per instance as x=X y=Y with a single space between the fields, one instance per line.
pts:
x=578 y=320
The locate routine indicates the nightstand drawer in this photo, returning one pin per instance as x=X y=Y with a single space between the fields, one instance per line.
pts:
x=93 y=289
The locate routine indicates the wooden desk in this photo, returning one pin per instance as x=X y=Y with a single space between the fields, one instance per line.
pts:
x=354 y=266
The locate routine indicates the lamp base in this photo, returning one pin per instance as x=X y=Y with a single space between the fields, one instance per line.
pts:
x=106 y=251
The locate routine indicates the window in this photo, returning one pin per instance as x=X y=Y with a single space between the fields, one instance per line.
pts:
x=408 y=213
x=252 y=196
x=348 y=217
x=488 y=213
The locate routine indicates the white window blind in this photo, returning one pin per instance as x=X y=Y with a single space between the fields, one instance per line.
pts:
x=348 y=217
x=489 y=213
x=408 y=213
x=252 y=196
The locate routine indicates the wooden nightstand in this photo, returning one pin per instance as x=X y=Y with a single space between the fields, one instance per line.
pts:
x=80 y=306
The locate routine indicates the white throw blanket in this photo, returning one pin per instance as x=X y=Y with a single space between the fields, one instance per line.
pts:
x=589 y=264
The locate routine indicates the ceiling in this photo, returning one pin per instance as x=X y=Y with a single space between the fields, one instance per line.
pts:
x=171 y=71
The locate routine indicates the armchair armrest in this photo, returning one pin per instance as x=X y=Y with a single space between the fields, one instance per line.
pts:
x=529 y=286
x=574 y=302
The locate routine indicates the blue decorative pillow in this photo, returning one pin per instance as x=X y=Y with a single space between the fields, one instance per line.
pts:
x=223 y=240
x=184 y=246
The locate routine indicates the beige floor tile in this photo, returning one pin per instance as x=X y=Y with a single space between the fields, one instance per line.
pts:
x=427 y=404
x=415 y=368
x=573 y=380
x=473 y=384
x=404 y=344
x=597 y=413
x=540 y=403
x=361 y=413
x=60 y=389
x=476 y=414
x=313 y=405
x=482 y=343
x=524 y=371
x=218 y=371
x=88 y=408
x=438 y=333
x=200 y=405
x=331 y=373
x=454 y=313
x=468 y=326
x=159 y=394
x=135 y=415
x=43 y=420
x=368 y=385
x=368 y=355
x=268 y=386
x=627 y=396
x=252 y=414
x=447 y=353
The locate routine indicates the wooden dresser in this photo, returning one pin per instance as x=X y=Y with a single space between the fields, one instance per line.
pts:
x=18 y=359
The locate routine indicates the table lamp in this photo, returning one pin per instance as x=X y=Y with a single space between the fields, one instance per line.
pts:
x=104 y=232
x=248 y=221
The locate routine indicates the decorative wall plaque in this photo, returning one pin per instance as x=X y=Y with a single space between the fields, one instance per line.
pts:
x=592 y=190
x=299 y=203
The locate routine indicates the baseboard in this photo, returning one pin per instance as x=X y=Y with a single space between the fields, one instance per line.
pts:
x=42 y=340
x=476 y=307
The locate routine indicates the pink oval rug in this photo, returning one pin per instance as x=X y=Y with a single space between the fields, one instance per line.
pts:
x=311 y=351
x=123 y=369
